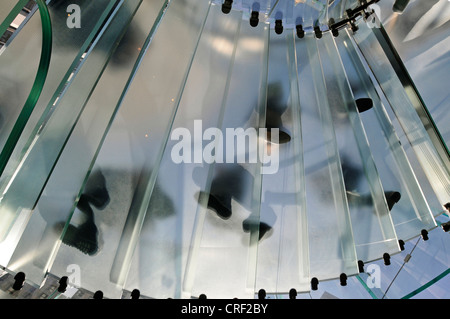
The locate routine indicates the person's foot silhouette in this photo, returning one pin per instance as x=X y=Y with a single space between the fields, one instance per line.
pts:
x=84 y=237
x=263 y=227
x=364 y=104
x=221 y=205
x=283 y=136
x=96 y=192
x=392 y=198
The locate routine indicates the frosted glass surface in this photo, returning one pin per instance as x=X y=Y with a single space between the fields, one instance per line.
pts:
x=68 y=45
x=392 y=163
x=41 y=237
x=327 y=205
x=203 y=244
x=94 y=184
x=227 y=246
x=283 y=253
x=373 y=229
x=65 y=56
x=132 y=146
x=403 y=107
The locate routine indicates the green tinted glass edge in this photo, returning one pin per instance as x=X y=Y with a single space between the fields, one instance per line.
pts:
x=38 y=84
x=427 y=285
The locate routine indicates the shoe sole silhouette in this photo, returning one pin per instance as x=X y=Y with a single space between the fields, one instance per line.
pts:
x=217 y=206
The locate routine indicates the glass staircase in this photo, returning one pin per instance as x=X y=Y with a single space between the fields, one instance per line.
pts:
x=92 y=121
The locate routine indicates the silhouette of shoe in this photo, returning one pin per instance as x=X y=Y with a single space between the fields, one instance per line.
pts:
x=226 y=6
x=221 y=205
x=392 y=198
x=447 y=207
x=358 y=199
x=83 y=238
x=446 y=226
x=84 y=207
x=96 y=192
x=263 y=227
x=364 y=104
x=283 y=136
x=99 y=197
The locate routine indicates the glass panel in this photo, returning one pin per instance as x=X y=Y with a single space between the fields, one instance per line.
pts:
x=337 y=9
x=36 y=90
x=405 y=106
x=18 y=69
x=42 y=233
x=9 y=11
x=68 y=45
x=283 y=261
x=66 y=55
x=306 y=12
x=192 y=245
x=392 y=164
x=421 y=263
x=133 y=146
x=225 y=241
x=373 y=229
x=327 y=206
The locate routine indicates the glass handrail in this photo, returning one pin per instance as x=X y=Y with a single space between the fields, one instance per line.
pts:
x=36 y=89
